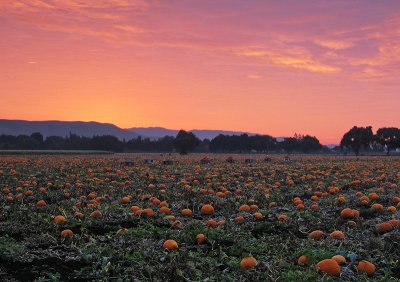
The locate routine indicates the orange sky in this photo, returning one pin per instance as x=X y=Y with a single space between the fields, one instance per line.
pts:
x=275 y=67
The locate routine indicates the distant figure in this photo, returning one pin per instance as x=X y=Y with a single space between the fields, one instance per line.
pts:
x=230 y=160
x=205 y=160
x=127 y=164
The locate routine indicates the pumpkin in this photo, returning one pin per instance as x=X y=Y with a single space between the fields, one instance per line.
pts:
x=314 y=207
x=207 y=209
x=126 y=200
x=384 y=227
x=395 y=223
x=377 y=207
x=211 y=223
x=165 y=210
x=200 y=238
x=163 y=204
x=338 y=235
x=170 y=245
x=96 y=214
x=134 y=208
x=283 y=217
x=340 y=259
x=347 y=213
x=303 y=260
x=248 y=262
x=366 y=267
x=254 y=207
x=148 y=212
x=244 y=208
x=79 y=215
x=317 y=234
x=41 y=203
x=187 y=212
x=59 y=219
x=239 y=219
x=28 y=193
x=329 y=266
x=66 y=233
x=170 y=217
x=351 y=223
x=257 y=215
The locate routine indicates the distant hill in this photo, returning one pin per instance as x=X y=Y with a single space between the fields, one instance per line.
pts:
x=63 y=128
x=88 y=129
x=159 y=132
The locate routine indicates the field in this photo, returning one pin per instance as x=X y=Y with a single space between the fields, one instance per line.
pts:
x=87 y=218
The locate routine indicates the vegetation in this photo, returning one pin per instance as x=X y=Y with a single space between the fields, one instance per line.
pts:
x=84 y=218
x=356 y=139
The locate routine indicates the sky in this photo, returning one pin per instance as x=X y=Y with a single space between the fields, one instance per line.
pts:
x=272 y=67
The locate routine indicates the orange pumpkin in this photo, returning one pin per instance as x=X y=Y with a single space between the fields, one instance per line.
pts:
x=187 y=212
x=338 y=235
x=366 y=267
x=207 y=209
x=303 y=260
x=41 y=203
x=66 y=233
x=329 y=266
x=317 y=234
x=248 y=262
x=96 y=214
x=170 y=245
x=200 y=238
x=340 y=259
x=59 y=219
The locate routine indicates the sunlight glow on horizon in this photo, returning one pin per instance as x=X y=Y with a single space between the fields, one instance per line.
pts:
x=268 y=67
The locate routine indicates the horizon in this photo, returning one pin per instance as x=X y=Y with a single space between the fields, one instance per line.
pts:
x=276 y=68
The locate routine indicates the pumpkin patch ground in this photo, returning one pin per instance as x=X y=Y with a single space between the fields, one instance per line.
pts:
x=86 y=218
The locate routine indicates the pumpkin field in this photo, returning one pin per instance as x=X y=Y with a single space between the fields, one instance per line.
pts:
x=118 y=218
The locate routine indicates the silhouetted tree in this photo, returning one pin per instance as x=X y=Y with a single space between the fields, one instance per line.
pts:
x=388 y=137
x=290 y=144
x=106 y=143
x=357 y=137
x=54 y=143
x=310 y=144
x=37 y=139
x=185 y=141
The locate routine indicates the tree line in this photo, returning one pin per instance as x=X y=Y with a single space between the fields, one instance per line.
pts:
x=183 y=143
x=356 y=139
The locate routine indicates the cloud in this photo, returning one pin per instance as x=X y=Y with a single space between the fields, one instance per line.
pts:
x=292 y=58
x=335 y=45
x=130 y=28
x=254 y=76
x=358 y=48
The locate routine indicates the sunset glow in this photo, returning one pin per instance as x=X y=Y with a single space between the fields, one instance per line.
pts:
x=274 y=67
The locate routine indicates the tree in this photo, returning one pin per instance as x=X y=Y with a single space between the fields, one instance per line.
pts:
x=37 y=139
x=388 y=137
x=54 y=143
x=185 y=141
x=310 y=144
x=357 y=137
x=289 y=144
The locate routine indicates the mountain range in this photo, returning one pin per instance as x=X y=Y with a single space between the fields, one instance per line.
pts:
x=88 y=129
x=157 y=132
